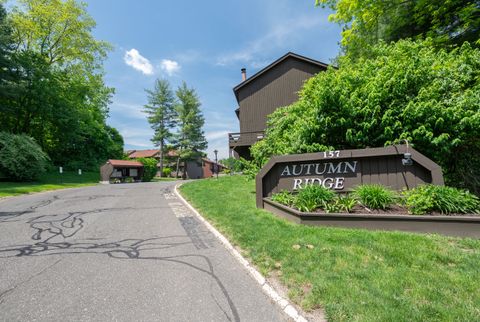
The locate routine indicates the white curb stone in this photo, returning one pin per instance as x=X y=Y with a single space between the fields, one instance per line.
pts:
x=267 y=289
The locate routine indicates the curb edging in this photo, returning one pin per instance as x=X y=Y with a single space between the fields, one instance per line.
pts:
x=284 y=304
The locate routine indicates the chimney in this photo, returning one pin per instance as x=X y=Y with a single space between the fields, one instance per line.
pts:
x=244 y=74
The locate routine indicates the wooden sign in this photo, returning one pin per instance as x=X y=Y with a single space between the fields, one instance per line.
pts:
x=398 y=167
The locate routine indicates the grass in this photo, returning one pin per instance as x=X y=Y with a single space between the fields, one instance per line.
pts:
x=49 y=181
x=354 y=275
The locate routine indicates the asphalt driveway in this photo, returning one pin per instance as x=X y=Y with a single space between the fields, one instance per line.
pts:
x=130 y=252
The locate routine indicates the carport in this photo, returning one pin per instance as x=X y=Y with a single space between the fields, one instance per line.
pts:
x=121 y=170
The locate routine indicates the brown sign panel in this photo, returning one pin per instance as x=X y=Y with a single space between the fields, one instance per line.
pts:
x=397 y=167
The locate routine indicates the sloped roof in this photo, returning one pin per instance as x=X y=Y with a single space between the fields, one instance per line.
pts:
x=144 y=153
x=213 y=162
x=275 y=63
x=125 y=163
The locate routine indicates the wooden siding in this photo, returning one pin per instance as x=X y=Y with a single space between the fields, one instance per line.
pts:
x=375 y=165
x=279 y=87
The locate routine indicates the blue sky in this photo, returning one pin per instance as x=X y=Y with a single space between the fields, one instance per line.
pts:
x=204 y=43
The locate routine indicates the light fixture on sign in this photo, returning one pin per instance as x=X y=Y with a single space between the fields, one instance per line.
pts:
x=407 y=156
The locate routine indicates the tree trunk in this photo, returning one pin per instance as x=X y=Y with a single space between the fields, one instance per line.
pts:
x=178 y=166
x=184 y=175
x=161 y=158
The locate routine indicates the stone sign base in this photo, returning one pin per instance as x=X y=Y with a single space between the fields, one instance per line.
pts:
x=458 y=226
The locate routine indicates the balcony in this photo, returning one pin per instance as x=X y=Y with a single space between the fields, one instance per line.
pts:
x=244 y=138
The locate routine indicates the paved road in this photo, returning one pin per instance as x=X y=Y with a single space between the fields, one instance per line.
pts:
x=128 y=252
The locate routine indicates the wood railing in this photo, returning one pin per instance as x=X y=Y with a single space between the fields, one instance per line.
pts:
x=245 y=138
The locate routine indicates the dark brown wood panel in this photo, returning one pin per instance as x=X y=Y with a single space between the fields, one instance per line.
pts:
x=279 y=87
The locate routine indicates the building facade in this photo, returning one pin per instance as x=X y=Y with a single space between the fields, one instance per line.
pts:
x=275 y=86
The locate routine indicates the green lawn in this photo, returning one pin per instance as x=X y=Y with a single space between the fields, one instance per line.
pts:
x=49 y=181
x=355 y=275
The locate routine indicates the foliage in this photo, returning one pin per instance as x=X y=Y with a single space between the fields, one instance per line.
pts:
x=353 y=274
x=8 y=66
x=21 y=158
x=345 y=203
x=149 y=168
x=190 y=139
x=55 y=90
x=232 y=164
x=448 y=23
x=407 y=91
x=284 y=197
x=250 y=168
x=312 y=197
x=447 y=200
x=161 y=115
x=60 y=31
x=167 y=171
x=375 y=196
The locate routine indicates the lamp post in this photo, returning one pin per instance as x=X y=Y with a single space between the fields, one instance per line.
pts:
x=216 y=163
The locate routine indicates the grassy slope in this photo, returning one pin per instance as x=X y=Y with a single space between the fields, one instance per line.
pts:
x=49 y=181
x=355 y=275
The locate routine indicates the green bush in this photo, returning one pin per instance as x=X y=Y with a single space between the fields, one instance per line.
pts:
x=346 y=203
x=149 y=168
x=340 y=204
x=312 y=197
x=284 y=197
x=447 y=200
x=232 y=164
x=250 y=168
x=167 y=171
x=21 y=158
x=375 y=196
x=406 y=90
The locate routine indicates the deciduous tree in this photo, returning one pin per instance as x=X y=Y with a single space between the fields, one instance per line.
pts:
x=365 y=22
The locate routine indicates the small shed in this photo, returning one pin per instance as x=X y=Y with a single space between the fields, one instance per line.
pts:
x=121 y=170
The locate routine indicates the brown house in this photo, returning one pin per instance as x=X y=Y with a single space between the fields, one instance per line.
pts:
x=210 y=168
x=258 y=96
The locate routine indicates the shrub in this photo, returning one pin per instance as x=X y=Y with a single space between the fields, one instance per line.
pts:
x=313 y=196
x=167 y=171
x=284 y=197
x=232 y=164
x=21 y=158
x=406 y=90
x=374 y=196
x=251 y=167
x=447 y=200
x=149 y=168
x=340 y=204
x=346 y=203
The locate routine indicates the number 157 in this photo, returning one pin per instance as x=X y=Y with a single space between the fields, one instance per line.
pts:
x=331 y=154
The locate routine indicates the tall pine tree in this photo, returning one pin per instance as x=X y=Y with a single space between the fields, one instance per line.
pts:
x=190 y=139
x=161 y=115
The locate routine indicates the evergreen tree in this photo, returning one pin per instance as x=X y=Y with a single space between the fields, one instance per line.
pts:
x=8 y=79
x=161 y=115
x=190 y=139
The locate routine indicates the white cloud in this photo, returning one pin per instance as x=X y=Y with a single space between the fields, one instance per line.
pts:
x=169 y=66
x=133 y=58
